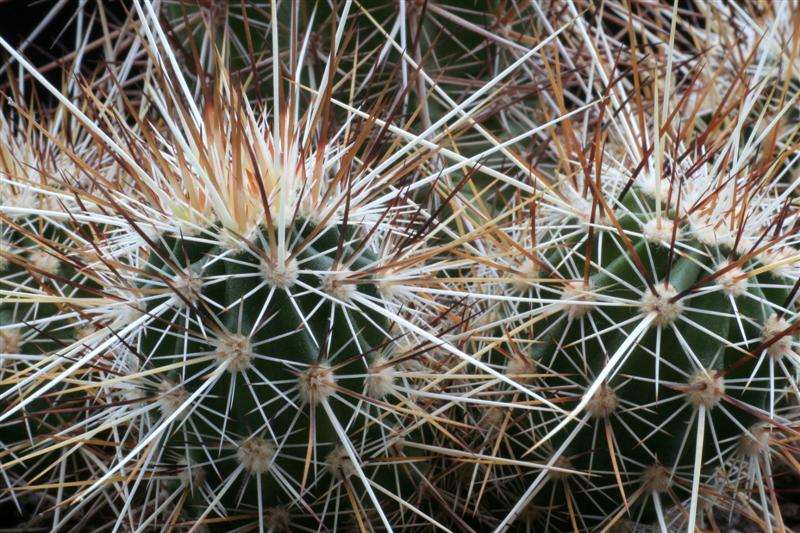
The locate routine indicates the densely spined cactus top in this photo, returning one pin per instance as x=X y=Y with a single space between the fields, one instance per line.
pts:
x=260 y=326
x=263 y=292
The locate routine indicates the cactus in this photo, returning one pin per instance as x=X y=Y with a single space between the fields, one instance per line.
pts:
x=404 y=266
x=661 y=309
x=675 y=355
x=289 y=353
x=281 y=363
x=678 y=343
x=255 y=326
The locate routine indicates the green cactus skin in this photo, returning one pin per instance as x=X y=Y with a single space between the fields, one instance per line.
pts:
x=292 y=353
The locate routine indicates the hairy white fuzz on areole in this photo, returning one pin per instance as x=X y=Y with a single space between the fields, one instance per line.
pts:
x=733 y=282
x=656 y=478
x=380 y=378
x=754 y=443
x=187 y=286
x=235 y=350
x=281 y=275
x=603 y=403
x=10 y=341
x=578 y=299
x=45 y=262
x=338 y=285
x=704 y=389
x=527 y=271
x=661 y=304
x=317 y=383
x=777 y=332
x=255 y=455
x=339 y=464
x=171 y=398
x=660 y=230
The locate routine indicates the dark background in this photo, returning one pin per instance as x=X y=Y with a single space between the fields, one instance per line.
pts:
x=19 y=18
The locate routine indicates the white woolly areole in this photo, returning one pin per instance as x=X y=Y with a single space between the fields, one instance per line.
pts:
x=601 y=221
x=255 y=455
x=527 y=270
x=10 y=341
x=704 y=390
x=380 y=379
x=656 y=478
x=170 y=398
x=772 y=328
x=659 y=231
x=733 y=282
x=281 y=275
x=316 y=384
x=648 y=183
x=582 y=210
x=402 y=349
x=666 y=311
x=235 y=349
x=387 y=285
x=45 y=262
x=192 y=475
x=339 y=464
x=574 y=292
x=755 y=441
x=133 y=393
x=520 y=369
x=188 y=284
x=335 y=285
x=603 y=402
x=132 y=390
